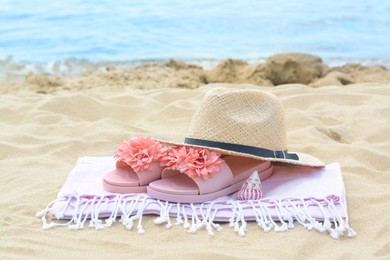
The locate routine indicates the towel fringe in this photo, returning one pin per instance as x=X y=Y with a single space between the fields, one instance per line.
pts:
x=131 y=207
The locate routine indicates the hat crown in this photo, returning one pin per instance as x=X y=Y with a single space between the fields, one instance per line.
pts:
x=245 y=117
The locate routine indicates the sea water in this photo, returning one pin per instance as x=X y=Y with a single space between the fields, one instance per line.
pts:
x=47 y=31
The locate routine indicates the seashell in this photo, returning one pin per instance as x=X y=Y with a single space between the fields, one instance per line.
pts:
x=251 y=189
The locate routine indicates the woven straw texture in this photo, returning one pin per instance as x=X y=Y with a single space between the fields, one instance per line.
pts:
x=249 y=117
x=244 y=117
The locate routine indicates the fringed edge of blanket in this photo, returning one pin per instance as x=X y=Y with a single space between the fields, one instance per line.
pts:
x=278 y=215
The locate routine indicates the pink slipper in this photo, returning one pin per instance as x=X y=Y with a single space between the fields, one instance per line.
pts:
x=138 y=164
x=124 y=180
x=184 y=188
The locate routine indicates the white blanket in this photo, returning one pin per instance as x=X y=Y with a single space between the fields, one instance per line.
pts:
x=313 y=197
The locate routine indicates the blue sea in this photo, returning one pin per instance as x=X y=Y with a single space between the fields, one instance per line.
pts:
x=47 y=31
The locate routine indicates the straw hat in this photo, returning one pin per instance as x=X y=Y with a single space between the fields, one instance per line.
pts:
x=248 y=123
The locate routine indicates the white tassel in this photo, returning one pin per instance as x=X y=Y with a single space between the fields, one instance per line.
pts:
x=82 y=223
x=60 y=214
x=342 y=225
x=179 y=219
x=48 y=225
x=199 y=224
x=258 y=215
x=77 y=215
x=284 y=226
x=164 y=215
x=312 y=222
x=327 y=224
x=79 y=224
x=207 y=219
x=160 y=220
x=214 y=225
x=242 y=230
x=129 y=223
x=231 y=219
x=270 y=223
x=341 y=228
x=125 y=218
x=209 y=229
x=236 y=227
x=240 y=218
x=167 y=210
x=192 y=229
x=169 y=224
x=74 y=227
x=186 y=225
x=266 y=212
x=42 y=214
x=95 y=210
x=266 y=226
x=290 y=221
x=281 y=228
x=290 y=224
x=140 y=230
x=109 y=221
x=335 y=234
x=319 y=227
x=351 y=232
x=140 y=214
x=309 y=226
x=264 y=221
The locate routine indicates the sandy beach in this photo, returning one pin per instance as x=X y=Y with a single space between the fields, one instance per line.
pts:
x=337 y=114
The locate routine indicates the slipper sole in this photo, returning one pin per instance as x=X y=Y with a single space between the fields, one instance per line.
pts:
x=182 y=198
x=123 y=189
x=195 y=198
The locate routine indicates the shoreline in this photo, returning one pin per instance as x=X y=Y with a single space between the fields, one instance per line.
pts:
x=284 y=68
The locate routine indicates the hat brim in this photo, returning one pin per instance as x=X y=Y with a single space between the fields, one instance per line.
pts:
x=304 y=159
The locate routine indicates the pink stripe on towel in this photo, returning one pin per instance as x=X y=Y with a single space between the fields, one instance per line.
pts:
x=313 y=197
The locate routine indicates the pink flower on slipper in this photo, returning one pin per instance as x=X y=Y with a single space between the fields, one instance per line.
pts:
x=139 y=152
x=194 y=162
x=175 y=158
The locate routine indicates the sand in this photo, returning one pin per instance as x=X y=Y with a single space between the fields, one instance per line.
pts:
x=47 y=122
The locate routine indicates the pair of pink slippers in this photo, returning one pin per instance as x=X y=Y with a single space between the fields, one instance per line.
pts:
x=185 y=175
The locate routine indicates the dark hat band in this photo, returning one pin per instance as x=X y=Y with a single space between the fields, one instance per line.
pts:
x=261 y=152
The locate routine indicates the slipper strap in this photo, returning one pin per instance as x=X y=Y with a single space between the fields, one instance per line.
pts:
x=218 y=181
x=147 y=176
x=151 y=174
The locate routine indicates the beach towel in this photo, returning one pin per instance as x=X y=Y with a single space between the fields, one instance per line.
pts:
x=313 y=197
